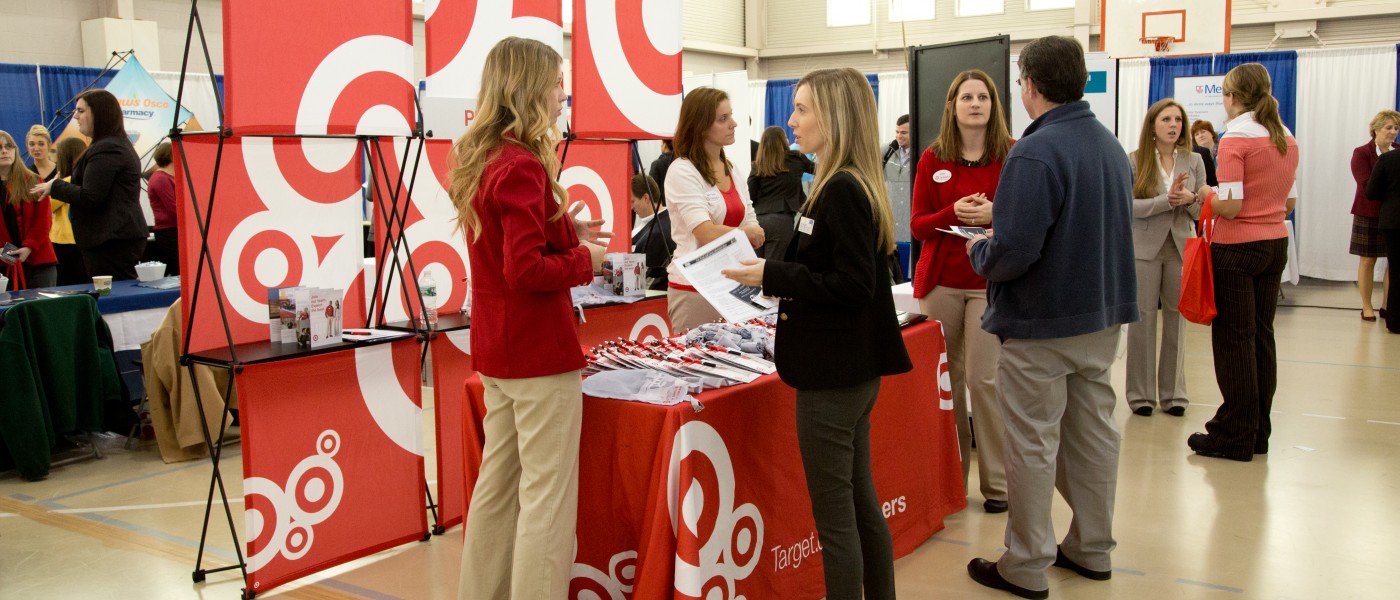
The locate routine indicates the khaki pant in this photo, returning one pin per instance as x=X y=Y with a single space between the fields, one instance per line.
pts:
x=688 y=309
x=1153 y=380
x=972 y=366
x=1057 y=402
x=520 y=525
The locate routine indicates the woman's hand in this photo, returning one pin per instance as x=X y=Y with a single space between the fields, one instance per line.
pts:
x=20 y=254
x=974 y=210
x=42 y=189
x=749 y=274
x=1178 y=195
x=755 y=235
x=588 y=231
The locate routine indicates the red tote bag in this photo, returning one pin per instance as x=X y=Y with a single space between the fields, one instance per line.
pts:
x=1197 y=278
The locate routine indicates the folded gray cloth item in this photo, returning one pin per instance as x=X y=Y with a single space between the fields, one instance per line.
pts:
x=641 y=385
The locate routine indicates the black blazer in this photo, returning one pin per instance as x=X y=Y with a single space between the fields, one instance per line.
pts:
x=1209 y=161
x=781 y=193
x=836 y=321
x=1384 y=187
x=655 y=241
x=105 y=194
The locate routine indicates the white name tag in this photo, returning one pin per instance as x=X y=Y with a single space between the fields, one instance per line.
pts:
x=805 y=225
x=942 y=176
x=713 y=196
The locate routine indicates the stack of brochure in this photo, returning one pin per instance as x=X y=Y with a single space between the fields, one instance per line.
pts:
x=715 y=365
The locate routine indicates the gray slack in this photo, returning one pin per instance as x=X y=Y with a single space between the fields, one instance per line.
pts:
x=1152 y=379
x=1057 y=404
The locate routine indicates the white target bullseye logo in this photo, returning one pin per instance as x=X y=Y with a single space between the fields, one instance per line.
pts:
x=281 y=520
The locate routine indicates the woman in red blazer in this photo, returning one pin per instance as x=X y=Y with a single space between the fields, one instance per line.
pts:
x=25 y=224
x=954 y=186
x=526 y=252
x=1366 y=239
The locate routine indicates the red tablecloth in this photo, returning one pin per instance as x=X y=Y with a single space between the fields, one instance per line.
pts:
x=674 y=503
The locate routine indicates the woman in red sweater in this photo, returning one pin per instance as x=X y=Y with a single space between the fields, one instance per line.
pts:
x=25 y=224
x=526 y=252
x=1248 y=251
x=1366 y=239
x=954 y=186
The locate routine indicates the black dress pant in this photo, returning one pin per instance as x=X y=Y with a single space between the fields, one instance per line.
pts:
x=167 y=249
x=71 y=268
x=116 y=258
x=833 y=434
x=1392 y=259
x=1242 y=339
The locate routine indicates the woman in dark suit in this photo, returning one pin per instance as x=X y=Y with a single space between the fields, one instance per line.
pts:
x=1384 y=187
x=105 y=194
x=837 y=333
x=1367 y=241
x=526 y=252
x=775 y=188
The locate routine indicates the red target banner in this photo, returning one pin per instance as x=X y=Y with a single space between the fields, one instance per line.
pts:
x=277 y=221
x=318 y=67
x=332 y=459
x=626 y=68
x=599 y=174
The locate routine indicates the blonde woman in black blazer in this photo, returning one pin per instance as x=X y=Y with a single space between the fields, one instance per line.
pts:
x=837 y=332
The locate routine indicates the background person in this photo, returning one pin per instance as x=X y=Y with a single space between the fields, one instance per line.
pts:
x=775 y=187
x=161 y=190
x=71 y=270
x=899 y=173
x=836 y=293
x=1060 y=284
x=1367 y=241
x=958 y=177
x=651 y=235
x=1203 y=138
x=1384 y=187
x=1165 y=174
x=705 y=202
x=105 y=192
x=658 y=168
x=1248 y=251
x=39 y=144
x=525 y=255
x=26 y=218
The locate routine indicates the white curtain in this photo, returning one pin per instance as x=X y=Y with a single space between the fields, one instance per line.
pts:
x=199 y=95
x=1134 y=78
x=758 y=107
x=893 y=103
x=1339 y=91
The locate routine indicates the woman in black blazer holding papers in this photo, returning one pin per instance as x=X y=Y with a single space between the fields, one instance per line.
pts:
x=837 y=333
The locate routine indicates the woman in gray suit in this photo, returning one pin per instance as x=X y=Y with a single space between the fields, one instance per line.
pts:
x=1165 y=171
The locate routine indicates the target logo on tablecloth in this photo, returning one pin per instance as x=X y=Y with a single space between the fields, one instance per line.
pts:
x=627 y=68
x=281 y=520
x=590 y=583
x=718 y=544
x=314 y=67
x=650 y=327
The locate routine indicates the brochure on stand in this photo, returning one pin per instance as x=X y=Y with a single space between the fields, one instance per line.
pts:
x=735 y=302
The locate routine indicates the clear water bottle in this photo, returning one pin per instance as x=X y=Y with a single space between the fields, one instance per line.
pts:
x=427 y=287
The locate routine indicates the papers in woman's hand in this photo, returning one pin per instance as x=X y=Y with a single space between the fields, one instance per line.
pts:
x=734 y=301
x=965 y=232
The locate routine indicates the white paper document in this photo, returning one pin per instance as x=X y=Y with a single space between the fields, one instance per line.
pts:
x=965 y=232
x=735 y=302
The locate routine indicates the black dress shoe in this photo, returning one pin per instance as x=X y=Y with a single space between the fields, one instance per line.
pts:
x=995 y=506
x=1176 y=411
x=1200 y=443
x=1064 y=562
x=1143 y=411
x=984 y=571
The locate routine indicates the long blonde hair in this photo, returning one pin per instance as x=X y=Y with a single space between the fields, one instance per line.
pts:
x=1249 y=83
x=772 y=153
x=512 y=108
x=844 y=106
x=1145 y=159
x=18 y=178
x=948 y=146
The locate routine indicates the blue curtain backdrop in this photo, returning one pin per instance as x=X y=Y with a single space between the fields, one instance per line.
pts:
x=61 y=85
x=1283 y=70
x=19 y=103
x=1165 y=71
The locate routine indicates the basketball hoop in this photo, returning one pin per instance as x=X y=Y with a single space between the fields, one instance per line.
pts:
x=1161 y=43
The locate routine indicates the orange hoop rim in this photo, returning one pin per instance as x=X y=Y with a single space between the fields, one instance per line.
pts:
x=1159 y=43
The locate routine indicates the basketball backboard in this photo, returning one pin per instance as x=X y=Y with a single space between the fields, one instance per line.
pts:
x=1137 y=28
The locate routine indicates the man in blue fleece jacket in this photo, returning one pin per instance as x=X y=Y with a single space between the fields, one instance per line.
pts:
x=1059 y=267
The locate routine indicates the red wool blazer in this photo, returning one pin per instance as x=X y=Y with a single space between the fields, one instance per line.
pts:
x=523 y=265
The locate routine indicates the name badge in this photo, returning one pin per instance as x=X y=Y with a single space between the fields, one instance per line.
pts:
x=713 y=196
x=942 y=176
x=805 y=225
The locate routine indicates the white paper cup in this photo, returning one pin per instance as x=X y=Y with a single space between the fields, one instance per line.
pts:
x=4 y=283
x=103 y=284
